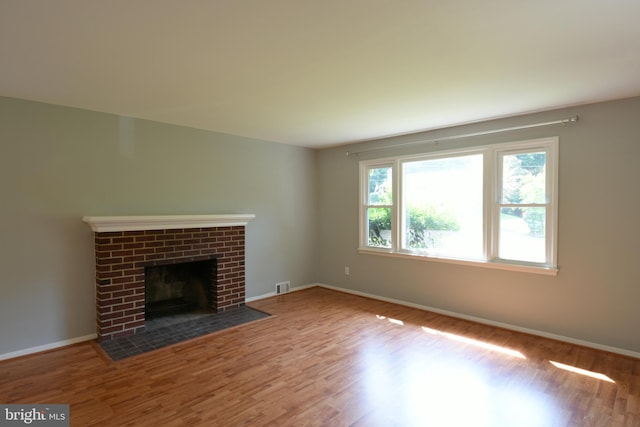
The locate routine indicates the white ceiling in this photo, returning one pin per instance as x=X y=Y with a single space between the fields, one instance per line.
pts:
x=319 y=72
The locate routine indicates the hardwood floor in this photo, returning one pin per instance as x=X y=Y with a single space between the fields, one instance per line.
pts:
x=328 y=358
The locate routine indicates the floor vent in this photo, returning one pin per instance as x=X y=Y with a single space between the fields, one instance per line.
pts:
x=282 y=287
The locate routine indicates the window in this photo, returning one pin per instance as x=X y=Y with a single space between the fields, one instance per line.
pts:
x=442 y=206
x=379 y=206
x=494 y=205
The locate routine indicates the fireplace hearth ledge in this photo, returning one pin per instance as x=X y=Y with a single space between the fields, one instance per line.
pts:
x=102 y=224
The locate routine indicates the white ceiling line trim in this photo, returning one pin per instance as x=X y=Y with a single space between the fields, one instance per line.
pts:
x=102 y=224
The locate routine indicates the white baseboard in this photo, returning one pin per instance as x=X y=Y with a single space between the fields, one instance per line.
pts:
x=621 y=351
x=46 y=347
x=273 y=294
x=259 y=297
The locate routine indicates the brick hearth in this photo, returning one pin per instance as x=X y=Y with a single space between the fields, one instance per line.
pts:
x=121 y=257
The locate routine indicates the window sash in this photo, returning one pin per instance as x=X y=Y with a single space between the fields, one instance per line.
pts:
x=497 y=252
x=366 y=206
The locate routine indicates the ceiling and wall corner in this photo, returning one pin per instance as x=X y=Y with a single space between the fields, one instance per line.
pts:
x=318 y=74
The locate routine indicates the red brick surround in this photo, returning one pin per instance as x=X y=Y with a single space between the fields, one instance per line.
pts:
x=121 y=257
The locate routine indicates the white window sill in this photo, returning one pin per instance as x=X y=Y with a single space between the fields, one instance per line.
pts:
x=547 y=271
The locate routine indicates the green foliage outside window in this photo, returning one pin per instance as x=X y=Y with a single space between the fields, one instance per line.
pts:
x=422 y=223
x=379 y=221
x=525 y=183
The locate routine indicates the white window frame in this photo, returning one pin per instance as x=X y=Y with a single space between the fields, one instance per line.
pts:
x=492 y=175
x=364 y=204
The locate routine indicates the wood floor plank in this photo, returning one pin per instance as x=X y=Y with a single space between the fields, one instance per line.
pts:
x=327 y=358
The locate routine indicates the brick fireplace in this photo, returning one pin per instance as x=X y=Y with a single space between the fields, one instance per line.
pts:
x=124 y=246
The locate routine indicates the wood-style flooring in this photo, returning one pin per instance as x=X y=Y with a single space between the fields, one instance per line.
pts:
x=328 y=358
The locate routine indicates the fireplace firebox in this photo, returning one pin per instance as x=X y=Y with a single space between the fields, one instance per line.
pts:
x=173 y=289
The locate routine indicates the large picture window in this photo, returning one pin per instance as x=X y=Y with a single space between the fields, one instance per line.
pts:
x=494 y=205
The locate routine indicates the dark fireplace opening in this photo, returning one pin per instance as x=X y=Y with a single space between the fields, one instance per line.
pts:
x=173 y=289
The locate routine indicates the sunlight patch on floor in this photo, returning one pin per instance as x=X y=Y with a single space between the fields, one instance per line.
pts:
x=581 y=371
x=460 y=338
x=394 y=321
x=477 y=343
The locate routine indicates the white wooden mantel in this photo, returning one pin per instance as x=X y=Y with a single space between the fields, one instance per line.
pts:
x=102 y=224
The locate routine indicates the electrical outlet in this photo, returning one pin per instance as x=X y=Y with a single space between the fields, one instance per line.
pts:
x=346 y=271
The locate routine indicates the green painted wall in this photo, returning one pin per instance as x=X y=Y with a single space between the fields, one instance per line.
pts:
x=59 y=164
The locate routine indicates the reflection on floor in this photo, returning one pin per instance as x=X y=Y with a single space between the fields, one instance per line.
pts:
x=164 y=331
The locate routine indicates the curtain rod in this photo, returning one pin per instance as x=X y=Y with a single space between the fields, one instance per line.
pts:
x=563 y=122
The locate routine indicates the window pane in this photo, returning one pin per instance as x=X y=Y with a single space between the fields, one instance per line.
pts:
x=379 y=186
x=443 y=206
x=379 y=229
x=522 y=234
x=523 y=178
